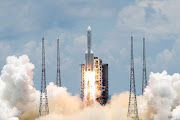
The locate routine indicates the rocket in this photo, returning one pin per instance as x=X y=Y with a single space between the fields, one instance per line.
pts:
x=89 y=55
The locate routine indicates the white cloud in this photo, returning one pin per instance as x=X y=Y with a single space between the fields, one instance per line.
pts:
x=80 y=41
x=123 y=52
x=30 y=46
x=5 y=49
x=155 y=19
x=165 y=55
x=91 y=12
x=15 y=17
x=158 y=21
x=167 y=58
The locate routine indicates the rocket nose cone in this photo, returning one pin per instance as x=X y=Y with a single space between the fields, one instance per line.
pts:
x=89 y=28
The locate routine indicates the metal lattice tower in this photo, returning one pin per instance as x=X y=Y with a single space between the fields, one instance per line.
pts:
x=58 y=77
x=43 y=108
x=132 y=108
x=144 y=76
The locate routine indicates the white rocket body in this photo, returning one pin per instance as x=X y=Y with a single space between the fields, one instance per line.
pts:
x=89 y=55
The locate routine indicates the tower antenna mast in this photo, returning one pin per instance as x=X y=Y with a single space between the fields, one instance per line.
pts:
x=144 y=76
x=43 y=108
x=132 y=107
x=58 y=77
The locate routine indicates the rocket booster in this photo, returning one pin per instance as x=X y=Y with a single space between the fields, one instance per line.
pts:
x=89 y=55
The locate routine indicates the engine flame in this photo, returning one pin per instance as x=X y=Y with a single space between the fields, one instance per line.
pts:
x=89 y=90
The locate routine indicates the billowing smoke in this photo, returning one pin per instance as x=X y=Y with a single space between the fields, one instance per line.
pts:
x=19 y=100
x=162 y=96
x=16 y=87
x=116 y=110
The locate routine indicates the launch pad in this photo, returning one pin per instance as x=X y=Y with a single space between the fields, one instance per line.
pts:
x=94 y=76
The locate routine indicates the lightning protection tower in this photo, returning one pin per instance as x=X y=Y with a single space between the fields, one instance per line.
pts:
x=132 y=108
x=58 y=77
x=43 y=108
x=144 y=76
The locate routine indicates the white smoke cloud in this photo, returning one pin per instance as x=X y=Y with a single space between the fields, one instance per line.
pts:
x=115 y=110
x=19 y=100
x=8 y=112
x=161 y=95
x=60 y=101
x=176 y=113
x=16 y=87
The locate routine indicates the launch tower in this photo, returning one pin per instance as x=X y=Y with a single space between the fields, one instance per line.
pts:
x=58 y=77
x=144 y=76
x=132 y=107
x=43 y=108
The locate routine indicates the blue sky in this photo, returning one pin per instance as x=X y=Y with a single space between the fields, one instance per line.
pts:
x=24 y=23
